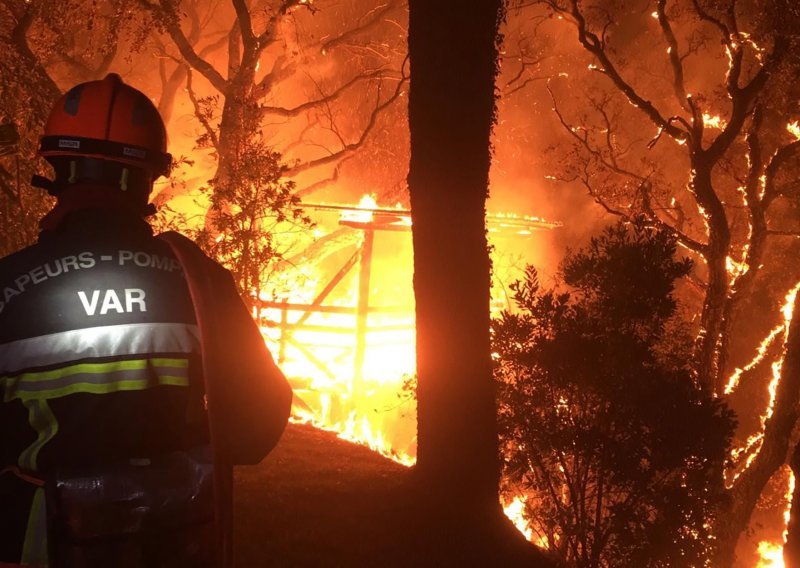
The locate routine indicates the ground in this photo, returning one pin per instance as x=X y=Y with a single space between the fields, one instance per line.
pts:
x=319 y=501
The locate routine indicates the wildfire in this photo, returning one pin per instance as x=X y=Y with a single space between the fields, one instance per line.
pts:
x=342 y=325
x=770 y=553
x=342 y=328
x=735 y=269
x=762 y=351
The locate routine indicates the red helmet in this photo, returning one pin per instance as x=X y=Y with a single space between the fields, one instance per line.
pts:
x=110 y=121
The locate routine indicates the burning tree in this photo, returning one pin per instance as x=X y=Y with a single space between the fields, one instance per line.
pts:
x=618 y=455
x=691 y=126
x=244 y=95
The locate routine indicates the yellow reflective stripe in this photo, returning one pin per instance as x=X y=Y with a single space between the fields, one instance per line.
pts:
x=97 y=378
x=100 y=368
x=44 y=423
x=34 y=548
x=103 y=388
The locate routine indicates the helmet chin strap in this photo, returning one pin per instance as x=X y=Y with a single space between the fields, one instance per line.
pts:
x=44 y=183
x=72 y=171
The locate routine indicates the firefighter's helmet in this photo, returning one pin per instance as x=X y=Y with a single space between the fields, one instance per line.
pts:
x=105 y=131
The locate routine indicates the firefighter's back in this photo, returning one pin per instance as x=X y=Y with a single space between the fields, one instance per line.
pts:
x=99 y=362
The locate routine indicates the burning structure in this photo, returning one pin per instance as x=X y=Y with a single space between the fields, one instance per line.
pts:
x=347 y=335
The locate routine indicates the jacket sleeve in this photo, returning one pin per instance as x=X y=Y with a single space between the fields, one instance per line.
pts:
x=249 y=399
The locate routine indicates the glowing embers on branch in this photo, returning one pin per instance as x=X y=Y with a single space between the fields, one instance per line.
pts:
x=744 y=455
x=736 y=269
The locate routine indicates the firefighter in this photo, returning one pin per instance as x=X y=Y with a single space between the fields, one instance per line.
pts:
x=132 y=376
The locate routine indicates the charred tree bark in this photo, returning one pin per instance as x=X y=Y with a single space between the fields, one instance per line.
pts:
x=791 y=550
x=716 y=254
x=732 y=520
x=453 y=53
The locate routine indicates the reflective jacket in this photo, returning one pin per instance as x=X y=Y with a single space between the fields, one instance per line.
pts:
x=100 y=363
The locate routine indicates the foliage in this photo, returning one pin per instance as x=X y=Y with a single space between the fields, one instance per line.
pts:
x=617 y=451
x=248 y=206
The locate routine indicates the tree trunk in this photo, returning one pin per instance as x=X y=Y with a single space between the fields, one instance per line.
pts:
x=453 y=54
x=741 y=289
x=719 y=242
x=733 y=519
x=791 y=550
x=451 y=113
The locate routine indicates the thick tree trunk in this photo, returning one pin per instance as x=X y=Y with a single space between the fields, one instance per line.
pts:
x=718 y=249
x=791 y=550
x=741 y=289
x=734 y=518
x=452 y=47
x=451 y=113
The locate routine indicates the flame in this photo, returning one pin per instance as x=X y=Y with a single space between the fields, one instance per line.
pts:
x=363 y=212
x=771 y=555
x=343 y=327
x=343 y=330
x=753 y=443
x=736 y=269
x=794 y=129
x=763 y=348
x=713 y=121
x=515 y=510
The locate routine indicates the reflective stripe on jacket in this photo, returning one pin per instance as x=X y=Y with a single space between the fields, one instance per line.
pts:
x=99 y=361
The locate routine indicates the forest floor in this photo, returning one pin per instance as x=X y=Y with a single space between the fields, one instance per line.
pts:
x=319 y=501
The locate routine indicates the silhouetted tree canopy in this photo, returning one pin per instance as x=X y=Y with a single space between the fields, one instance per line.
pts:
x=615 y=448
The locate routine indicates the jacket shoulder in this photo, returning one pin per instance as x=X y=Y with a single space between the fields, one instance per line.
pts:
x=189 y=251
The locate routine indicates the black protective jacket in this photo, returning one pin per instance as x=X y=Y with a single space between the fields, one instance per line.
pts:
x=101 y=362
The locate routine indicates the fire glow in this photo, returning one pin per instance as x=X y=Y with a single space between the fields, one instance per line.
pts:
x=342 y=327
x=344 y=333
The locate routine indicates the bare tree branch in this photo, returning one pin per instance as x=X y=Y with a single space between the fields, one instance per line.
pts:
x=678 y=83
x=593 y=44
x=325 y=182
x=245 y=24
x=781 y=156
x=326 y=98
x=348 y=148
x=367 y=23
x=171 y=21
x=199 y=112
